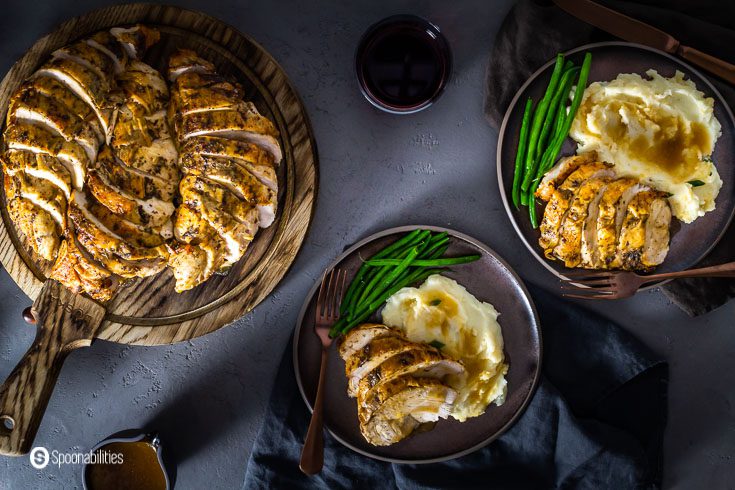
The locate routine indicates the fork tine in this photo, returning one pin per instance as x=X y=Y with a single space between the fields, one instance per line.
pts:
x=344 y=286
x=578 y=273
x=579 y=283
x=330 y=294
x=588 y=272
x=322 y=293
x=333 y=284
x=591 y=296
x=340 y=291
x=588 y=290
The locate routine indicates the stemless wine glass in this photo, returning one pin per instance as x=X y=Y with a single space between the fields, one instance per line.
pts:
x=403 y=64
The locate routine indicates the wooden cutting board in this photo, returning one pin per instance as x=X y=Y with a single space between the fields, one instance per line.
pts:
x=148 y=311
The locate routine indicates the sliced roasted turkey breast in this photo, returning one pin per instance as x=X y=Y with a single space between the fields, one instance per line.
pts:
x=89 y=57
x=398 y=384
x=80 y=273
x=52 y=88
x=144 y=86
x=91 y=229
x=35 y=108
x=554 y=177
x=40 y=192
x=125 y=201
x=633 y=252
x=600 y=221
x=41 y=166
x=597 y=220
x=243 y=118
x=234 y=219
x=216 y=198
x=561 y=198
x=136 y=183
x=255 y=160
x=373 y=354
x=204 y=248
x=84 y=83
x=361 y=336
x=187 y=61
x=56 y=123
x=403 y=405
x=369 y=402
x=569 y=248
x=422 y=363
x=135 y=40
x=108 y=45
x=236 y=179
x=37 y=139
x=656 y=244
x=37 y=224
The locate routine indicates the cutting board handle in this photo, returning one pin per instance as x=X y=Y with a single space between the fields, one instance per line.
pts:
x=65 y=322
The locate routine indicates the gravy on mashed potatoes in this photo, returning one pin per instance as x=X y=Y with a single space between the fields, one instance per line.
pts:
x=441 y=311
x=660 y=130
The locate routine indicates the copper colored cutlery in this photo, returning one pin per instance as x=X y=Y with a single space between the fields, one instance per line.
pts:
x=633 y=30
x=327 y=313
x=590 y=284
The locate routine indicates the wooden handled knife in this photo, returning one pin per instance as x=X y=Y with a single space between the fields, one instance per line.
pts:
x=635 y=31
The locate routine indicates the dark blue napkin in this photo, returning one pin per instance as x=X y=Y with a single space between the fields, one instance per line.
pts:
x=596 y=421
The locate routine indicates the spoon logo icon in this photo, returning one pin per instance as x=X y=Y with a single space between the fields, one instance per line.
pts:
x=39 y=457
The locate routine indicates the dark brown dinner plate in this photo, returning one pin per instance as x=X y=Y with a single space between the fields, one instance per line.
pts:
x=689 y=242
x=490 y=279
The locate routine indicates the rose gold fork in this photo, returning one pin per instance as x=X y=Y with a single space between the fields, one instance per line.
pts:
x=327 y=313
x=589 y=284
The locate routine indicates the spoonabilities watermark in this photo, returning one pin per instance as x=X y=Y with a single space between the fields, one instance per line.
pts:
x=41 y=457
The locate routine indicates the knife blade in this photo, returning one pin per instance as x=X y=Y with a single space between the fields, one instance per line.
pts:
x=635 y=31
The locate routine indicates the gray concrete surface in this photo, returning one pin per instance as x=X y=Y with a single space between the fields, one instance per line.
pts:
x=208 y=396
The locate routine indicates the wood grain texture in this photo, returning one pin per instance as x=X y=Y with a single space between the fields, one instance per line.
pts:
x=148 y=311
x=65 y=322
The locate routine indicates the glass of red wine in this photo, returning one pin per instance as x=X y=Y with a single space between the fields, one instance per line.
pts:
x=403 y=64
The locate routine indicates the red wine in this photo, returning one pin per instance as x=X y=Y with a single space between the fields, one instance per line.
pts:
x=403 y=64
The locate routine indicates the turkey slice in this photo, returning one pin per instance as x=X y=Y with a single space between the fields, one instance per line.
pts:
x=255 y=160
x=46 y=111
x=136 y=40
x=36 y=139
x=571 y=230
x=35 y=223
x=108 y=45
x=357 y=338
x=41 y=166
x=187 y=61
x=423 y=362
x=84 y=83
x=40 y=192
x=405 y=404
x=93 y=233
x=144 y=86
x=91 y=58
x=556 y=210
x=236 y=179
x=52 y=88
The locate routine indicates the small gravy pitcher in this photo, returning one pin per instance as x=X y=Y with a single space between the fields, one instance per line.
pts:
x=128 y=460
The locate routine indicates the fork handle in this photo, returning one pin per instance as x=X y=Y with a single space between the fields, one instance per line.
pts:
x=722 y=270
x=312 y=455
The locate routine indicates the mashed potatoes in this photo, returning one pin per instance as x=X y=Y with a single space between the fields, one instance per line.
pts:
x=443 y=312
x=661 y=131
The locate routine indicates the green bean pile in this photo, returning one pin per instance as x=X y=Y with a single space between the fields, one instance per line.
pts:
x=409 y=260
x=544 y=130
